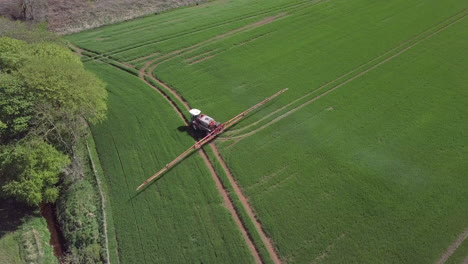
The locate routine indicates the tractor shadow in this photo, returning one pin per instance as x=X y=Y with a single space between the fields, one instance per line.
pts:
x=195 y=134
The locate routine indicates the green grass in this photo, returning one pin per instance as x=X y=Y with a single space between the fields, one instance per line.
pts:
x=169 y=30
x=372 y=171
x=9 y=249
x=24 y=237
x=386 y=164
x=179 y=219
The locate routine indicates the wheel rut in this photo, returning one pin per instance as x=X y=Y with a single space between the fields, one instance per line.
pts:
x=451 y=249
x=244 y=201
x=148 y=68
x=222 y=191
x=265 y=239
x=400 y=51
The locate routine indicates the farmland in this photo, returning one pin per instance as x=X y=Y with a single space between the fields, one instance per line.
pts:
x=361 y=161
x=182 y=218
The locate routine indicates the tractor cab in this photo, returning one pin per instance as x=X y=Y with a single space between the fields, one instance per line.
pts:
x=202 y=122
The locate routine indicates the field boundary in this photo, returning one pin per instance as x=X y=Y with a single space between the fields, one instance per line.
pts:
x=103 y=203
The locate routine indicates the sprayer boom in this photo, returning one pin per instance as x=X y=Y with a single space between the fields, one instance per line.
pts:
x=218 y=130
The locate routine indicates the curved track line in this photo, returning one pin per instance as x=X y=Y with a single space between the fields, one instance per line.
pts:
x=240 y=137
x=344 y=75
x=266 y=240
x=230 y=207
x=222 y=191
x=182 y=51
x=451 y=249
x=211 y=26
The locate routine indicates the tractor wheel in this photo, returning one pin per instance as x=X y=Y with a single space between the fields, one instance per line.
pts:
x=194 y=127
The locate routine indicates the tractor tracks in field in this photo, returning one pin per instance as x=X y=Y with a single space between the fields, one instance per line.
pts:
x=451 y=249
x=222 y=190
x=143 y=72
x=265 y=239
x=152 y=64
x=358 y=72
x=147 y=70
x=227 y=200
x=286 y=7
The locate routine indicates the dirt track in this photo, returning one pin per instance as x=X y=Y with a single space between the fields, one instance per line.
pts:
x=227 y=202
x=266 y=241
x=146 y=71
x=451 y=249
x=152 y=64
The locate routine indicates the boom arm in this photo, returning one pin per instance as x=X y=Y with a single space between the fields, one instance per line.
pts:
x=220 y=129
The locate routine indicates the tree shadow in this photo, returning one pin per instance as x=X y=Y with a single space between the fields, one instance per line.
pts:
x=13 y=214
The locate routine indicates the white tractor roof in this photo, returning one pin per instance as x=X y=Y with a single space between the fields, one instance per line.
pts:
x=194 y=112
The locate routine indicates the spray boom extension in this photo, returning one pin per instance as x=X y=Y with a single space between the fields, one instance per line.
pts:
x=220 y=129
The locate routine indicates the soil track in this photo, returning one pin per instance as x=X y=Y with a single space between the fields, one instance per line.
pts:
x=266 y=241
x=240 y=137
x=149 y=68
x=222 y=191
x=451 y=249
x=148 y=73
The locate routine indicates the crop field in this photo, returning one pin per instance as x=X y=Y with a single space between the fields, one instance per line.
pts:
x=181 y=218
x=363 y=160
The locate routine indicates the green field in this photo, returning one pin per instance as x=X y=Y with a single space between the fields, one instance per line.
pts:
x=180 y=219
x=363 y=160
x=24 y=237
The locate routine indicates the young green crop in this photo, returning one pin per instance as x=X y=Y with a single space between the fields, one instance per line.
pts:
x=362 y=160
x=180 y=217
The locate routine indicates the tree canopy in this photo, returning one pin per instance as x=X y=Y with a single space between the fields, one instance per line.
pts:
x=30 y=171
x=45 y=94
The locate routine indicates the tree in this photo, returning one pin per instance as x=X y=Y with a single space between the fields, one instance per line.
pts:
x=16 y=108
x=45 y=96
x=48 y=103
x=29 y=171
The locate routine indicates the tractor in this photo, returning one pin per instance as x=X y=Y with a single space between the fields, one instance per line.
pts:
x=202 y=122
